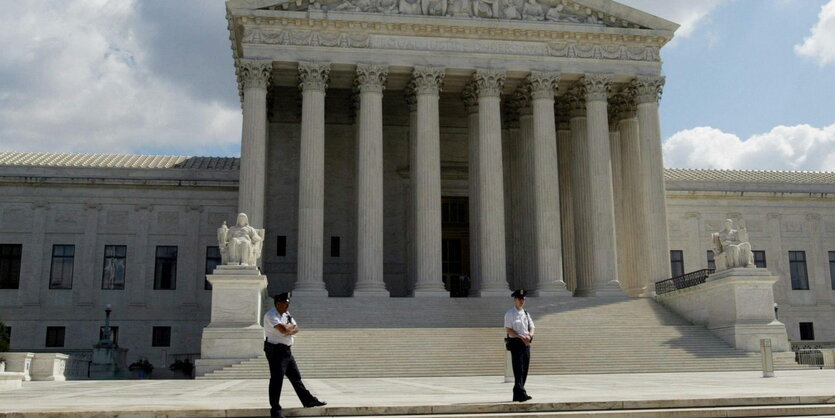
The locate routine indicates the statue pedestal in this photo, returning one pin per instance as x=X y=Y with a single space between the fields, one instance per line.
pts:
x=108 y=362
x=234 y=333
x=735 y=304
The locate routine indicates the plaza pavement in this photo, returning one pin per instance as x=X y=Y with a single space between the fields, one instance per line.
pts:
x=404 y=396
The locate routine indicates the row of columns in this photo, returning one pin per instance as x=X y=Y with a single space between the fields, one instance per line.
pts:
x=585 y=156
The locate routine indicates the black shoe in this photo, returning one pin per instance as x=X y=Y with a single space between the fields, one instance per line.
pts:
x=316 y=403
x=276 y=414
x=528 y=397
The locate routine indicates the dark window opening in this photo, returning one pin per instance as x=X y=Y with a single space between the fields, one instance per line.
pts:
x=55 y=336
x=165 y=271
x=63 y=258
x=213 y=260
x=334 y=246
x=281 y=246
x=10 y=265
x=807 y=331
x=161 y=337
x=759 y=259
x=832 y=269
x=677 y=262
x=797 y=268
x=711 y=260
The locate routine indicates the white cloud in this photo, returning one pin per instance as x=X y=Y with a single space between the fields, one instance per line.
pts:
x=688 y=13
x=820 y=44
x=800 y=147
x=79 y=78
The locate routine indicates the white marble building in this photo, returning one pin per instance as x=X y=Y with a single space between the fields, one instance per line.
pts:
x=144 y=202
x=388 y=147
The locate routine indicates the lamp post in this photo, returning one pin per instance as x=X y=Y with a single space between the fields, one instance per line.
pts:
x=106 y=341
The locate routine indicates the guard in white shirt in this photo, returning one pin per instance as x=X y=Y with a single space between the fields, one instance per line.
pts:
x=519 y=327
x=279 y=329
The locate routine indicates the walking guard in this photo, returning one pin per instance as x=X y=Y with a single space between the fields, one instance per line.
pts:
x=520 y=328
x=279 y=329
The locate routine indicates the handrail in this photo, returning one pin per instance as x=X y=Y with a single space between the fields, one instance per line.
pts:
x=682 y=282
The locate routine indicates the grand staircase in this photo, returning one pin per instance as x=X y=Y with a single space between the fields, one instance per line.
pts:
x=369 y=337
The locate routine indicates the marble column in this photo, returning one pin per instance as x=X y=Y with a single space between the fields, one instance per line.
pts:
x=255 y=77
x=576 y=146
x=545 y=184
x=493 y=267
x=313 y=78
x=522 y=189
x=595 y=234
x=565 y=157
x=648 y=91
x=635 y=238
x=471 y=106
x=370 y=82
x=427 y=83
x=411 y=103
x=512 y=155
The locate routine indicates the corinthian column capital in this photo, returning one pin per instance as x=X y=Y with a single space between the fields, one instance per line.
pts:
x=470 y=98
x=542 y=85
x=489 y=83
x=428 y=80
x=371 y=78
x=521 y=102
x=313 y=75
x=255 y=73
x=575 y=102
x=596 y=86
x=648 y=89
x=622 y=105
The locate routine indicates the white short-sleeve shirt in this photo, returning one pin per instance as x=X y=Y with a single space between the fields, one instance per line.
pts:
x=518 y=320
x=273 y=318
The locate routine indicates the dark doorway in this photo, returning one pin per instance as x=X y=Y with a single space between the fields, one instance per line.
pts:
x=455 y=245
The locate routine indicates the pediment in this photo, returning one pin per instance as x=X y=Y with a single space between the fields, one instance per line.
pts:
x=585 y=12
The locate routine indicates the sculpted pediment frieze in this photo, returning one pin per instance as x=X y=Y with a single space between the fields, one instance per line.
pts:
x=564 y=11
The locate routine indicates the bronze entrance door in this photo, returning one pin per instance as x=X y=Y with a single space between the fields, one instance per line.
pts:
x=455 y=245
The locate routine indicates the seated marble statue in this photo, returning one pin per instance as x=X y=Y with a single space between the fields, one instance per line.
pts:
x=731 y=248
x=240 y=244
x=532 y=10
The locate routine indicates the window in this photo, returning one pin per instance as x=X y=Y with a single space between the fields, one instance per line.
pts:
x=212 y=260
x=832 y=269
x=759 y=259
x=161 y=337
x=114 y=334
x=55 y=336
x=797 y=267
x=10 y=265
x=455 y=212
x=807 y=331
x=677 y=262
x=165 y=271
x=334 y=246
x=711 y=261
x=281 y=246
x=6 y=335
x=63 y=257
x=113 y=272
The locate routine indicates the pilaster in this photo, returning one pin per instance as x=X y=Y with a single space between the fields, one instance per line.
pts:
x=470 y=99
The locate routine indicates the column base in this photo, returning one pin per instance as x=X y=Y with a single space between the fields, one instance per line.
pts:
x=610 y=289
x=371 y=291
x=432 y=293
x=551 y=289
x=310 y=292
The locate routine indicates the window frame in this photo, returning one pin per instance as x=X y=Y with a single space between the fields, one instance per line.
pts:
x=52 y=265
x=764 y=258
x=11 y=258
x=798 y=283
x=673 y=263
x=158 y=266
x=810 y=330
x=154 y=336
x=62 y=331
x=711 y=260
x=116 y=257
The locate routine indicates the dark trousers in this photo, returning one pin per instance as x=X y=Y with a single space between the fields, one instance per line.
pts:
x=283 y=364
x=520 y=356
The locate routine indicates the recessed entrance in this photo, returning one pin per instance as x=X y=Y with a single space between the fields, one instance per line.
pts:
x=455 y=244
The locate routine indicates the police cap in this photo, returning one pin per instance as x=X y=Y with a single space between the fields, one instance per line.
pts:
x=282 y=297
x=519 y=294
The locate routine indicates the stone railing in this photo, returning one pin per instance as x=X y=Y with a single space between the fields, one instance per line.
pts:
x=735 y=304
x=49 y=366
x=682 y=282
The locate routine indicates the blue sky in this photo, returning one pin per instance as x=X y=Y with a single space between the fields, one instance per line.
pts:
x=750 y=83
